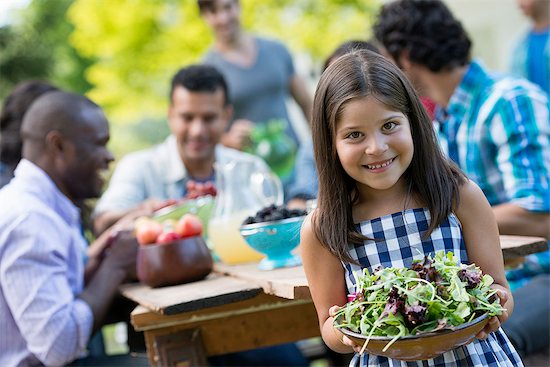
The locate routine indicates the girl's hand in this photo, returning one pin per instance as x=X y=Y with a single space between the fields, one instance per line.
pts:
x=339 y=335
x=333 y=310
x=495 y=321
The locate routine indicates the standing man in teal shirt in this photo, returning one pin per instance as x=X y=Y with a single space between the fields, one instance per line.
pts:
x=531 y=56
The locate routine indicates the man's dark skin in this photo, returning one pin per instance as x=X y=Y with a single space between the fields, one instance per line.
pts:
x=66 y=136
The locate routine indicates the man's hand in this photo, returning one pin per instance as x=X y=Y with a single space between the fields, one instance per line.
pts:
x=117 y=266
x=97 y=249
x=145 y=209
x=152 y=205
x=238 y=136
x=124 y=219
x=125 y=223
x=122 y=254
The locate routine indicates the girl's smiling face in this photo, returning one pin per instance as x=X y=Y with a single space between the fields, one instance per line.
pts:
x=374 y=145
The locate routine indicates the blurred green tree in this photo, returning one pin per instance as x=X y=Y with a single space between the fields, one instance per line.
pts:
x=38 y=47
x=139 y=44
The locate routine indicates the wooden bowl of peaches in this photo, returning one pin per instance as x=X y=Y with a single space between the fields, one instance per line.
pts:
x=172 y=252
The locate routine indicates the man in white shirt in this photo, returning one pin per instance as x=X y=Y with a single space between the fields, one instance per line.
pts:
x=198 y=116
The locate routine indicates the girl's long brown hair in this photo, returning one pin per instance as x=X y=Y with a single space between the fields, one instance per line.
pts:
x=433 y=178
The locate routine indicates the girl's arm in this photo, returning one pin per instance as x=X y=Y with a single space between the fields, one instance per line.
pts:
x=482 y=241
x=327 y=285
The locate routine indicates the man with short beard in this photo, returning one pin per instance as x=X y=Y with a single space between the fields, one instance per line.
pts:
x=54 y=290
x=198 y=116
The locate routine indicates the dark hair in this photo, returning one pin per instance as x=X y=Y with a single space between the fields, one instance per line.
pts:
x=430 y=175
x=14 y=108
x=208 y=5
x=58 y=110
x=426 y=30
x=347 y=47
x=200 y=78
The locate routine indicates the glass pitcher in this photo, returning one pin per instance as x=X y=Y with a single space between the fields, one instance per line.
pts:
x=242 y=191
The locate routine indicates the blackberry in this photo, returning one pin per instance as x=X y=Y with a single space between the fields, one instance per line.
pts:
x=273 y=213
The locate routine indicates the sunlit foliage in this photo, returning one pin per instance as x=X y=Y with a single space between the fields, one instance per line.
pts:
x=35 y=47
x=139 y=44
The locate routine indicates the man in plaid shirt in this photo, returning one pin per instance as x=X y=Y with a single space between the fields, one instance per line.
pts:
x=496 y=128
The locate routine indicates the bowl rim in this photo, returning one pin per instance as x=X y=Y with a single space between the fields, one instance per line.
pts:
x=273 y=222
x=465 y=325
x=176 y=206
x=159 y=244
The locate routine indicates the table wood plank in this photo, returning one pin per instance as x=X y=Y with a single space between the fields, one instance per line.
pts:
x=518 y=246
x=213 y=291
x=144 y=319
x=290 y=283
x=232 y=283
x=268 y=321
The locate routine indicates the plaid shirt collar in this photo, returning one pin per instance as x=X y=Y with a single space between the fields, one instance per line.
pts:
x=465 y=93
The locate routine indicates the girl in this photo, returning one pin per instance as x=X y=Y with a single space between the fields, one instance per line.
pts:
x=388 y=196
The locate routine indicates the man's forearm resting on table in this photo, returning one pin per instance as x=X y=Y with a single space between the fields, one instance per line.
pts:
x=514 y=220
x=101 y=291
x=104 y=220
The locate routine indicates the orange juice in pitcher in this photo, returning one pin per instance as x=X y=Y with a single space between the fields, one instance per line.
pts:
x=227 y=241
x=243 y=189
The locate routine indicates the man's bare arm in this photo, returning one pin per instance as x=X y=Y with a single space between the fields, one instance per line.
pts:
x=514 y=220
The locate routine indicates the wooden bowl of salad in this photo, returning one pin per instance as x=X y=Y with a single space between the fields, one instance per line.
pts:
x=423 y=346
x=420 y=312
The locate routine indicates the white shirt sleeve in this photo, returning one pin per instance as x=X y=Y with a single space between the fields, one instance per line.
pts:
x=41 y=275
x=128 y=184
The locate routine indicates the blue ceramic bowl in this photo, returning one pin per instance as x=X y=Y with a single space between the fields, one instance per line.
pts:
x=276 y=240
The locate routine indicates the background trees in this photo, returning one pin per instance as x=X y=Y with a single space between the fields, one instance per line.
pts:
x=37 y=46
x=123 y=53
x=139 y=44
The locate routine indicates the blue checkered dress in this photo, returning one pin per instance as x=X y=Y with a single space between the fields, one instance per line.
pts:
x=399 y=244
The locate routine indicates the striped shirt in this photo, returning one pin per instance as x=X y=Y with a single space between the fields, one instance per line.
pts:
x=41 y=273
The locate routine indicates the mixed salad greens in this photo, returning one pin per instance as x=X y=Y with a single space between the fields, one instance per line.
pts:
x=433 y=294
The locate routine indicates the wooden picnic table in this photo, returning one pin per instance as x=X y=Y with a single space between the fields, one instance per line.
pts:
x=519 y=246
x=238 y=308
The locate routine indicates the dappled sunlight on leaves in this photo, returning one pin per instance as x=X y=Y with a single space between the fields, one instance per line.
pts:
x=140 y=44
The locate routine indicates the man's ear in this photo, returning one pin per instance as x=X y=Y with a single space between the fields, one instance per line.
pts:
x=228 y=114
x=55 y=142
x=170 y=116
x=404 y=61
